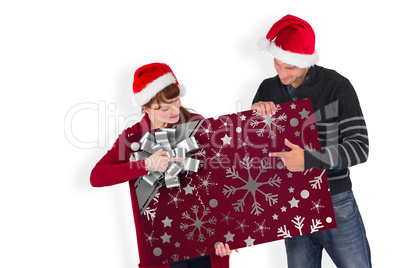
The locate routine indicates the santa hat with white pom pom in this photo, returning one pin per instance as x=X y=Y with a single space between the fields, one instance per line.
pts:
x=152 y=78
x=290 y=40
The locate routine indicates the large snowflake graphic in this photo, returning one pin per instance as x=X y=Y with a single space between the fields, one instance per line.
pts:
x=251 y=186
x=198 y=223
x=268 y=122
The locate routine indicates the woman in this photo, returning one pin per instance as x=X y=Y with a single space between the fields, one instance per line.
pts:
x=158 y=92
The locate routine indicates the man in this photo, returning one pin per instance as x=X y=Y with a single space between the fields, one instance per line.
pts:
x=342 y=133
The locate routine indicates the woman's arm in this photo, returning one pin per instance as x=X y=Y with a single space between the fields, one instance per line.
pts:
x=113 y=168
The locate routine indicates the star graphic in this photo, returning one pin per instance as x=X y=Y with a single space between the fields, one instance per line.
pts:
x=226 y=139
x=294 y=203
x=304 y=113
x=177 y=244
x=293 y=106
x=167 y=222
x=283 y=209
x=290 y=174
x=243 y=117
x=188 y=189
x=166 y=238
x=297 y=134
x=229 y=237
x=275 y=217
x=291 y=190
x=312 y=127
x=265 y=150
x=249 y=241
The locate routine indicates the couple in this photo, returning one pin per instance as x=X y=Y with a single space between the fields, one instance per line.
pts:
x=341 y=127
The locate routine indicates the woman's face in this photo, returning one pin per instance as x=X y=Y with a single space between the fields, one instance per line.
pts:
x=164 y=113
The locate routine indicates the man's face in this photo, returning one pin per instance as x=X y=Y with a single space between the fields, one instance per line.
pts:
x=289 y=74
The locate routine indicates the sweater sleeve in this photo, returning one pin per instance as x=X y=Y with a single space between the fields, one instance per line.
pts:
x=113 y=168
x=343 y=134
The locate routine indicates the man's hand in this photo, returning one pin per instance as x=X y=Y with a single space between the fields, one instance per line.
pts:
x=223 y=250
x=159 y=161
x=264 y=108
x=293 y=160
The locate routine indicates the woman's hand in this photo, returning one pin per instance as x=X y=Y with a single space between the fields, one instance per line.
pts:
x=264 y=108
x=224 y=250
x=159 y=161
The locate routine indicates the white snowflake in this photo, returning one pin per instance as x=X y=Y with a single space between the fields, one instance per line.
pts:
x=200 y=152
x=245 y=144
x=317 y=224
x=198 y=223
x=283 y=232
x=206 y=130
x=226 y=218
x=317 y=206
x=251 y=186
x=307 y=171
x=268 y=122
x=298 y=221
x=175 y=199
x=150 y=213
x=150 y=238
x=316 y=182
x=218 y=155
x=260 y=227
x=175 y=257
x=242 y=225
x=203 y=252
x=206 y=183
x=309 y=147
x=225 y=124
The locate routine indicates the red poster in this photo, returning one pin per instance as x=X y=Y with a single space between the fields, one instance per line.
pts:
x=239 y=194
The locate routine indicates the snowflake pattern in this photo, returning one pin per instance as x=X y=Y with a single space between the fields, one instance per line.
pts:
x=175 y=257
x=251 y=186
x=316 y=225
x=225 y=123
x=226 y=218
x=218 y=155
x=150 y=238
x=174 y=199
x=261 y=228
x=206 y=183
x=244 y=144
x=239 y=193
x=242 y=225
x=268 y=122
x=198 y=223
x=207 y=131
x=317 y=181
x=317 y=206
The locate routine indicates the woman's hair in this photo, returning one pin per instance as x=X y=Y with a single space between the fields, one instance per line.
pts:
x=170 y=92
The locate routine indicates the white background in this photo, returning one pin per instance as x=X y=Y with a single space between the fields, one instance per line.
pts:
x=65 y=77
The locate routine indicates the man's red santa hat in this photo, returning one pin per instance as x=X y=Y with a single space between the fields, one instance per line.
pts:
x=152 y=78
x=290 y=40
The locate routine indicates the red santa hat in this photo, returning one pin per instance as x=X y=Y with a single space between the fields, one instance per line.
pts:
x=290 y=40
x=152 y=78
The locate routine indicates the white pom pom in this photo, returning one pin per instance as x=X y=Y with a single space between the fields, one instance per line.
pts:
x=182 y=90
x=263 y=45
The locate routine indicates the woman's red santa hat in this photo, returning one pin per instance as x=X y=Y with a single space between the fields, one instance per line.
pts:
x=290 y=40
x=152 y=78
